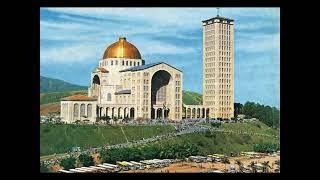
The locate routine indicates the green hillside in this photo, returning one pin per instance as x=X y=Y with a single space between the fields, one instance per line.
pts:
x=56 y=85
x=191 y=98
x=46 y=98
x=61 y=138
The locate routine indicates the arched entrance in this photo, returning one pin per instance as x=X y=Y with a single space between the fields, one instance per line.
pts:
x=153 y=113
x=131 y=113
x=159 y=113
x=160 y=87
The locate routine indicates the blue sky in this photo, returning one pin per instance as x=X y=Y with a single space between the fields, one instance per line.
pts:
x=73 y=40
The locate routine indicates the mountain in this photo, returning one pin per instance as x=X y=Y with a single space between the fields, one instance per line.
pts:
x=56 y=85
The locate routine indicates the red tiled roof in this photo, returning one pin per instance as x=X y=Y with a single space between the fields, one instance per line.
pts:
x=78 y=97
x=102 y=70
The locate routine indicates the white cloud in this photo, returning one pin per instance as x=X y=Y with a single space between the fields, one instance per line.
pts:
x=69 y=54
x=258 y=42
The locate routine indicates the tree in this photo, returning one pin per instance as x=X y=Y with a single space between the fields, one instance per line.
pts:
x=238 y=109
x=266 y=166
x=44 y=168
x=240 y=164
x=68 y=163
x=86 y=160
x=253 y=167
x=225 y=161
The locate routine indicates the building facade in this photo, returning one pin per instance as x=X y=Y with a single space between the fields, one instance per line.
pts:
x=123 y=86
x=218 y=67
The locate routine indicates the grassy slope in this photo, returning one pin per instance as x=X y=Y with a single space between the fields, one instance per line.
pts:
x=223 y=143
x=191 y=98
x=61 y=138
x=254 y=127
x=218 y=142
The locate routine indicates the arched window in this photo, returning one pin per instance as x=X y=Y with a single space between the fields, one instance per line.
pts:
x=89 y=110
x=82 y=110
x=130 y=63
x=116 y=62
x=111 y=62
x=109 y=97
x=76 y=110
x=122 y=63
x=126 y=63
x=134 y=63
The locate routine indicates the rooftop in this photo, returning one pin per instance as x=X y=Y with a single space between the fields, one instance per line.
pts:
x=139 y=68
x=220 y=18
x=78 y=97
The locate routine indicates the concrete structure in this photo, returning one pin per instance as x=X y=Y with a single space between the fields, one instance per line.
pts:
x=218 y=63
x=123 y=86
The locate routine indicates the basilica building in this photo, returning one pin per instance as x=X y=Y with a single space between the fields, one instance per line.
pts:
x=124 y=86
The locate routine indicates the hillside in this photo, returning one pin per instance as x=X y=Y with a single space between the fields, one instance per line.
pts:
x=45 y=109
x=97 y=136
x=56 y=85
x=191 y=98
x=53 y=97
x=92 y=136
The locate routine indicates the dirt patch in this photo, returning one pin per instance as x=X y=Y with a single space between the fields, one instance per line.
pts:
x=45 y=109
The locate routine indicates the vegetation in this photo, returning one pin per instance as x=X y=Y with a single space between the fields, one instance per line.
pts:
x=184 y=146
x=44 y=168
x=86 y=160
x=216 y=125
x=254 y=127
x=266 y=147
x=190 y=97
x=238 y=107
x=56 y=85
x=68 y=163
x=266 y=166
x=57 y=96
x=266 y=114
x=158 y=150
x=61 y=138
x=225 y=161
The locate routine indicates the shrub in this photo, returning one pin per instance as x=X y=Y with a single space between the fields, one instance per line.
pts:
x=266 y=147
x=44 y=168
x=86 y=160
x=68 y=163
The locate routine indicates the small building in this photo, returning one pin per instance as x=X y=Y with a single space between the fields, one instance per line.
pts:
x=78 y=108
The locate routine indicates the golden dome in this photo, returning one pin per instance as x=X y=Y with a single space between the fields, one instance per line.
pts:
x=122 y=49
